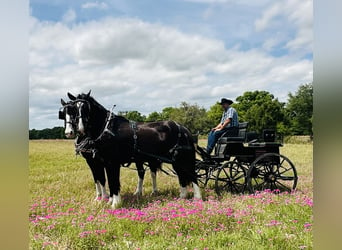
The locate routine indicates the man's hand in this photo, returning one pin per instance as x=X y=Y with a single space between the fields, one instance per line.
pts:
x=217 y=128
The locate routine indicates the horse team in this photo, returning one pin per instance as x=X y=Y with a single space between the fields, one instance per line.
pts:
x=108 y=141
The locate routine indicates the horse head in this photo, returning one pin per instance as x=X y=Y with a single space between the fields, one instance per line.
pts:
x=91 y=116
x=68 y=113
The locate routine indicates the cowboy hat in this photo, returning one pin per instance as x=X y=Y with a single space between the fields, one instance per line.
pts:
x=224 y=100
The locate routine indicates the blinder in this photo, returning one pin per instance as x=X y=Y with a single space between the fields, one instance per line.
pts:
x=61 y=115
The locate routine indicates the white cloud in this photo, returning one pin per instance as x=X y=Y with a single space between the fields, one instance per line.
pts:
x=95 y=5
x=299 y=16
x=69 y=16
x=144 y=66
x=268 y=17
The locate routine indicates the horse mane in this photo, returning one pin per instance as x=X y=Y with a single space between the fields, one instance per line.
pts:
x=121 y=118
x=91 y=100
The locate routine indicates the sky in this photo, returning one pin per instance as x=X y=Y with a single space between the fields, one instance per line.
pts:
x=146 y=55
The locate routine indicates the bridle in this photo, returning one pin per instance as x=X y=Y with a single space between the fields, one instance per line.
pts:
x=75 y=118
x=62 y=113
x=79 y=113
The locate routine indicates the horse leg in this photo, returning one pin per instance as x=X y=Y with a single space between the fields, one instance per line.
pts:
x=113 y=174
x=197 y=191
x=187 y=175
x=182 y=180
x=141 y=174
x=154 y=165
x=99 y=178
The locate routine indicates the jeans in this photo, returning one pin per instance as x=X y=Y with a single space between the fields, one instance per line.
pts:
x=213 y=137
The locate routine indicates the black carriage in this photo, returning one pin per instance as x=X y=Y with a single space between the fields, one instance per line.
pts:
x=247 y=163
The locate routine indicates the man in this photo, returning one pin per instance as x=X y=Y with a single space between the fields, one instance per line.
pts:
x=229 y=122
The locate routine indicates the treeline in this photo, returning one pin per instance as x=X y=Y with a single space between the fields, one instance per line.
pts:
x=47 y=133
x=259 y=108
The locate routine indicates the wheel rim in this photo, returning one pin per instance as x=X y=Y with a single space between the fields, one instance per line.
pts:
x=272 y=171
x=231 y=177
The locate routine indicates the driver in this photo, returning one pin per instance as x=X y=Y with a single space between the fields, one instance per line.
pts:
x=229 y=122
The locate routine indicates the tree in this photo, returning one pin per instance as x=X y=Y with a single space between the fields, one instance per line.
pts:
x=166 y=113
x=154 y=116
x=191 y=116
x=261 y=110
x=300 y=110
x=133 y=115
x=47 y=133
x=214 y=115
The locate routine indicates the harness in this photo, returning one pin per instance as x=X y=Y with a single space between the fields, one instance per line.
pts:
x=86 y=145
x=174 y=151
x=134 y=127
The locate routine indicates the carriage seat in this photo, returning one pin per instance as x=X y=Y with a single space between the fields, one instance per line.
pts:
x=241 y=137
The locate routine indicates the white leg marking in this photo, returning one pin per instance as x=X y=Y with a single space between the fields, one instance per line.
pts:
x=116 y=201
x=139 y=187
x=183 y=192
x=104 y=192
x=197 y=191
x=154 y=182
x=98 y=191
x=110 y=201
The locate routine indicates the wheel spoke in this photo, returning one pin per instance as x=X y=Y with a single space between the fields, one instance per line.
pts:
x=227 y=175
x=286 y=169
x=260 y=185
x=239 y=177
x=281 y=184
x=224 y=186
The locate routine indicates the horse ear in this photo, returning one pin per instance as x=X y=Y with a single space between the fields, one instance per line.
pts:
x=73 y=98
x=88 y=93
x=63 y=102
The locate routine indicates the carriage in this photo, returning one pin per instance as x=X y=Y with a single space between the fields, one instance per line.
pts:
x=248 y=162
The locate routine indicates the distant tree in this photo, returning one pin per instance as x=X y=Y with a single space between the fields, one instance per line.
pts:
x=33 y=134
x=214 y=115
x=135 y=116
x=166 y=113
x=261 y=110
x=191 y=116
x=300 y=110
x=47 y=133
x=154 y=116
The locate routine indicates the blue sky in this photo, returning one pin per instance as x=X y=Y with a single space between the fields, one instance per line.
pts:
x=145 y=55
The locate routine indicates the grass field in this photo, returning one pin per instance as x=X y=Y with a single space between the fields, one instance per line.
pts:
x=64 y=215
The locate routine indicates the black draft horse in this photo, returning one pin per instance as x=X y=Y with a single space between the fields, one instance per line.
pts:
x=118 y=141
x=68 y=113
x=98 y=165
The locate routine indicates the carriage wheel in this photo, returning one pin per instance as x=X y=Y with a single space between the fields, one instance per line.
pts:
x=272 y=171
x=231 y=177
x=202 y=174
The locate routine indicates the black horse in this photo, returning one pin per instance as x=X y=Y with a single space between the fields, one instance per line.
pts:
x=118 y=141
x=97 y=165
x=68 y=114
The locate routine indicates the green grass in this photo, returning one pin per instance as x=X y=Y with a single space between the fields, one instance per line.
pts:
x=64 y=215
